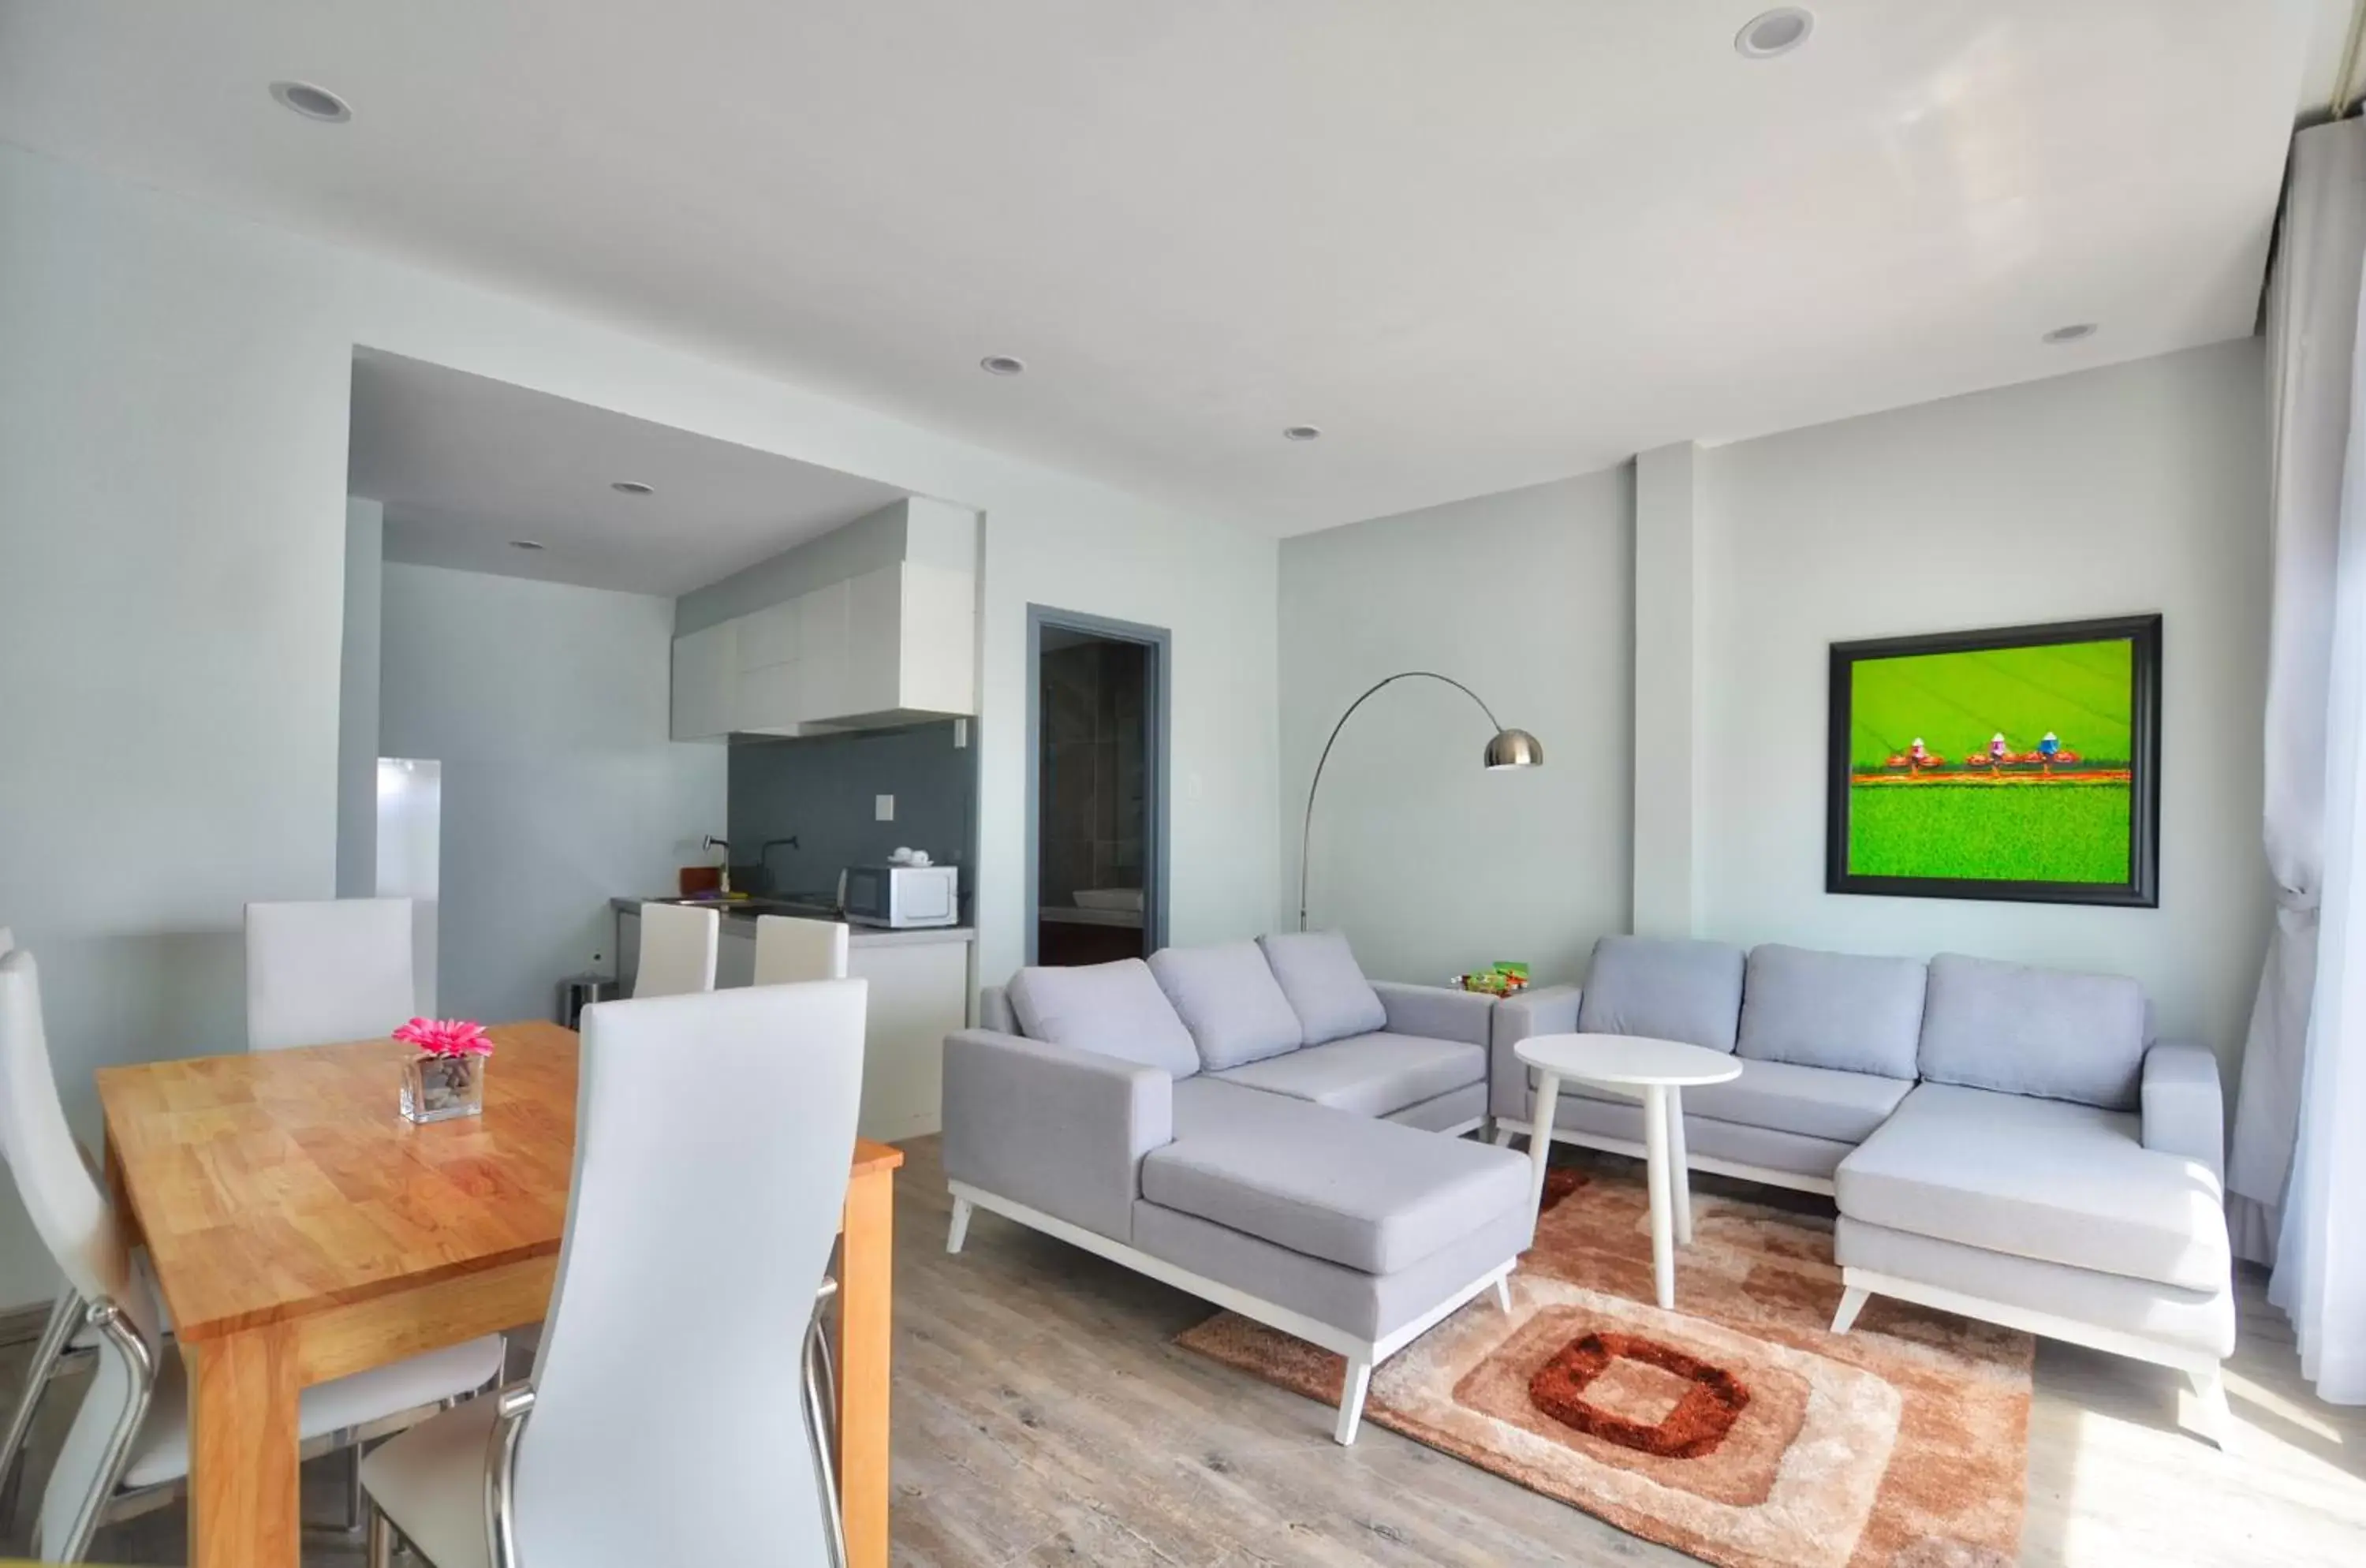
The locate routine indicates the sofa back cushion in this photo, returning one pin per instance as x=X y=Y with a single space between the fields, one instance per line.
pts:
x=1116 y=1009
x=1663 y=989
x=2047 y=1033
x=1833 y=1009
x=1230 y=1001
x=1326 y=988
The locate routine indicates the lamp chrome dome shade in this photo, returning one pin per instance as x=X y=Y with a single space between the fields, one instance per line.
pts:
x=1509 y=748
x=1514 y=748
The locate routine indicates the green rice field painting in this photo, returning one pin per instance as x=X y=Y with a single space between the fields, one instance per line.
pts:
x=2016 y=763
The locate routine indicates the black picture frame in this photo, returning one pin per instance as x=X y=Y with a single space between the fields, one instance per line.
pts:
x=2141 y=890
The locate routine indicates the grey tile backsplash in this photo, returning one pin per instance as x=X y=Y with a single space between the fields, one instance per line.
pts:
x=823 y=789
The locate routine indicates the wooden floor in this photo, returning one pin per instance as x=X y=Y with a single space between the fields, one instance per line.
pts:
x=1041 y=1416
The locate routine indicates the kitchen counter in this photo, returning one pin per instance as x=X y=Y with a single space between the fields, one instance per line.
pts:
x=740 y=916
x=923 y=987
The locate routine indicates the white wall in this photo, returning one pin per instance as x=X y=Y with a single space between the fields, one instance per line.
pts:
x=548 y=706
x=357 y=728
x=1429 y=863
x=2138 y=488
x=173 y=402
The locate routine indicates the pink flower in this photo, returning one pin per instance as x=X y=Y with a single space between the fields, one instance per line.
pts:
x=446 y=1037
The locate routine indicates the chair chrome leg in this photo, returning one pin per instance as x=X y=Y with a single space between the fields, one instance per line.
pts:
x=820 y=1430
x=140 y=1364
x=357 y=1501
x=381 y=1540
x=64 y=1313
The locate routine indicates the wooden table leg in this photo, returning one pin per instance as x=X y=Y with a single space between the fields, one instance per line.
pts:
x=242 y=1451
x=865 y=1320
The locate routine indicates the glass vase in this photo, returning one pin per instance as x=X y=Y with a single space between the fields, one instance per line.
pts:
x=436 y=1089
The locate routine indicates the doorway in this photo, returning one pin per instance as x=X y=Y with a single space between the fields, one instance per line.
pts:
x=1097 y=777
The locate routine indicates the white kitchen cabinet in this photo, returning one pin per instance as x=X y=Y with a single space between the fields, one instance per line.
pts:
x=936 y=640
x=822 y=652
x=771 y=688
x=919 y=992
x=895 y=645
x=769 y=637
x=706 y=682
x=874 y=610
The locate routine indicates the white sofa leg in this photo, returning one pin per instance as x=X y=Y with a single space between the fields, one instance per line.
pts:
x=2213 y=1420
x=1503 y=1137
x=960 y=1232
x=1851 y=1302
x=1503 y=1293
x=1351 y=1399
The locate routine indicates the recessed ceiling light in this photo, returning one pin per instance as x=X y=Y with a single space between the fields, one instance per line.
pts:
x=2071 y=333
x=312 y=103
x=1302 y=432
x=526 y=545
x=1774 y=33
x=1002 y=364
x=632 y=487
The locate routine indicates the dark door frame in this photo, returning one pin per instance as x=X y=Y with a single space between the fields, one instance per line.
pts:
x=1158 y=645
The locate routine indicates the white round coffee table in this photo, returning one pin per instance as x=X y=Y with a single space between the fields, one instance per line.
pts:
x=1658 y=1070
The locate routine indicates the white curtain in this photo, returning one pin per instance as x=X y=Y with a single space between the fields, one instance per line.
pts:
x=2297 y=1179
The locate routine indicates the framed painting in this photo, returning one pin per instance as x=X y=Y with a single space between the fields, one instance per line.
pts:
x=2019 y=763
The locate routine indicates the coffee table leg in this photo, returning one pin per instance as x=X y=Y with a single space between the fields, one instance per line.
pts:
x=1680 y=1181
x=1655 y=1154
x=1546 y=1100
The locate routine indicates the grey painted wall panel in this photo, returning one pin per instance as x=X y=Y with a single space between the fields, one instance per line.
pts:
x=822 y=790
x=1430 y=863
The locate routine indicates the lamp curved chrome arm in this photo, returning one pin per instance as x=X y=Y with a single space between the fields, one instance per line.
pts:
x=1508 y=749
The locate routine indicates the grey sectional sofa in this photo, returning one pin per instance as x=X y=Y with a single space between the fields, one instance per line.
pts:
x=2003 y=1142
x=1253 y=1123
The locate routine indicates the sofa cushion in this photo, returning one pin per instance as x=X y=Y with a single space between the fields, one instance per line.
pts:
x=1832 y=1010
x=2038 y=1031
x=1114 y=1008
x=1371 y=1075
x=1815 y=1102
x=1230 y=1001
x=1364 y=1194
x=1664 y=990
x=2039 y=1178
x=1326 y=988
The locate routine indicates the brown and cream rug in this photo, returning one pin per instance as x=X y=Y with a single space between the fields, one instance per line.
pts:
x=1736 y=1428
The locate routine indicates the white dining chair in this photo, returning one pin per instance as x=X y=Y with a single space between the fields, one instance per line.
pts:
x=713 y=1138
x=130 y=1440
x=326 y=971
x=678 y=945
x=66 y=1343
x=789 y=950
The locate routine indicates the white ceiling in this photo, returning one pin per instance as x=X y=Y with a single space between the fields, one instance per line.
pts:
x=1481 y=243
x=465 y=465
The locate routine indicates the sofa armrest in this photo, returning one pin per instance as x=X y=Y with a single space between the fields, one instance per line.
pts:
x=1053 y=1127
x=1438 y=1012
x=1550 y=1009
x=2183 y=1112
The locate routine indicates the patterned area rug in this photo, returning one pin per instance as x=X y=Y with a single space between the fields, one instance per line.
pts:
x=1736 y=1428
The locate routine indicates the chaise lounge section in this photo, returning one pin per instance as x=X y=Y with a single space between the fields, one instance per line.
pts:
x=1254 y=1124
x=2004 y=1142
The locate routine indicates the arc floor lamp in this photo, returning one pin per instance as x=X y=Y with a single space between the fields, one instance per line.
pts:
x=1508 y=749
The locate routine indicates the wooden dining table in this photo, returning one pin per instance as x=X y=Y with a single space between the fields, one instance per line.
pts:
x=301 y=1230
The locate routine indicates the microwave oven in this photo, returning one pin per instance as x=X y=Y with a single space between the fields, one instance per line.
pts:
x=900 y=897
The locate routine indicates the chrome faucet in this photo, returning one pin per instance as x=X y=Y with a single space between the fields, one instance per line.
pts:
x=723 y=883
